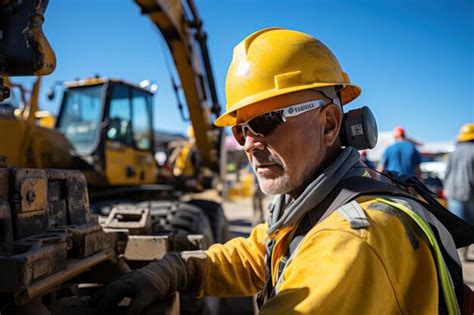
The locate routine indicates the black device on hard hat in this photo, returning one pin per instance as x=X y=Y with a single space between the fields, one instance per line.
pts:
x=359 y=129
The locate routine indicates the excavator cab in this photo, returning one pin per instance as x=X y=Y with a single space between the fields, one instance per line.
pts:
x=109 y=124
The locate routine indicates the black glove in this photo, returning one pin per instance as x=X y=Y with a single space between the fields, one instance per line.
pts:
x=174 y=272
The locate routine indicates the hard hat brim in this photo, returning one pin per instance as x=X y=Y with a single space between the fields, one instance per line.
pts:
x=466 y=137
x=348 y=93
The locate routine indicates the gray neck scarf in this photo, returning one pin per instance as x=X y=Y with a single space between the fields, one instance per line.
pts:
x=286 y=212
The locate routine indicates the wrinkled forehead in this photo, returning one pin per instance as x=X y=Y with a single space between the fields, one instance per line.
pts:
x=249 y=112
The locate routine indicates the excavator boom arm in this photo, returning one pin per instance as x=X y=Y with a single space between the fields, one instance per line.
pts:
x=171 y=20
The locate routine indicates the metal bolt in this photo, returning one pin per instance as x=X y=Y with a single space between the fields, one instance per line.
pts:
x=30 y=196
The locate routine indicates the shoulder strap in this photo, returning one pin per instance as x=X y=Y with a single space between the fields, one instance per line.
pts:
x=347 y=190
x=461 y=231
x=355 y=186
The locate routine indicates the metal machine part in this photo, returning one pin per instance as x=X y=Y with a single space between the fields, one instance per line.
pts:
x=54 y=255
x=23 y=46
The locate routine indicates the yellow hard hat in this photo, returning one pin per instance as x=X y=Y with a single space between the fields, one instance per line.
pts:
x=466 y=133
x=276 y=61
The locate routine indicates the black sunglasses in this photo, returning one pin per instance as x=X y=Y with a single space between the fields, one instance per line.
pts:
x=265 y=124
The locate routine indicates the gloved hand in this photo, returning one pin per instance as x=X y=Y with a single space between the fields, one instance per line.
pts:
x=174 y=272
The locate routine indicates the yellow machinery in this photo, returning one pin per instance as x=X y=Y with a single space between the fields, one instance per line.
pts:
x=109 y=124
x=105 y=125
x=52 y=248
x=25 y=139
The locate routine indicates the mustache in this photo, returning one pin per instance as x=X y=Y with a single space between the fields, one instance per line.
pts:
x=264 y=156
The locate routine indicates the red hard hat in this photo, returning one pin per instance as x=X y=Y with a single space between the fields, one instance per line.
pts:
x=398 y=132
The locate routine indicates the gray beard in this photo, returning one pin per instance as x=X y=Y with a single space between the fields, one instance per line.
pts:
x=282 y=186
x=285 y=183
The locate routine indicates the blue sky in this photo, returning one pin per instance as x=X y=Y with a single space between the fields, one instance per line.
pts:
x=414 y=60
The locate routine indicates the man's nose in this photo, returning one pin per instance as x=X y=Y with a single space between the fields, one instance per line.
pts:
x=253 y=142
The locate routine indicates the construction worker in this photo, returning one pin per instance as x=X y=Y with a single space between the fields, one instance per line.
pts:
x=402 y=156
x=285 y=91
x=459 y=179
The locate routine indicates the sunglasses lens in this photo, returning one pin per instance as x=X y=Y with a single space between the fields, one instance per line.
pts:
x=266 y=123
x=238 y=133
x=263 y=125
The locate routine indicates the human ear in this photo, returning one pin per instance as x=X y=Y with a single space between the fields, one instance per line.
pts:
x=331 y=119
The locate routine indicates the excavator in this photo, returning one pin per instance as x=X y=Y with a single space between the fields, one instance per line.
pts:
x=97 y=165
x=104 y=126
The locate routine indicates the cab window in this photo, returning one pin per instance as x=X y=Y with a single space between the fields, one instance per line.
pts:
x=80 y=116
x=120 y=116
x=141 y=122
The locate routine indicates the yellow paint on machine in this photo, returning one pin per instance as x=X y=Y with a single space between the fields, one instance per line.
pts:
x=126 y=165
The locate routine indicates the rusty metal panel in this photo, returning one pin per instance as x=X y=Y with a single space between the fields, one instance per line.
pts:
x=29 y=202
x=50 y=238
x=146 y=247
x=88 y=239
x=33 y=193
x=71 y=190
x=20 y=268
x=78 y=200
x=47 y=232
x=57 y=204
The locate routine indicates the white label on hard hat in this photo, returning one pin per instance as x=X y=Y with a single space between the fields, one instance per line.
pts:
x=357 y=130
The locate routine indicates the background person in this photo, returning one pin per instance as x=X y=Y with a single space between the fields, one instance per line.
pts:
x=459 y=179
x=402 y=156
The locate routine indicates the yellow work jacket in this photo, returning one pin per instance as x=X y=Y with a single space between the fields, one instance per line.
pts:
x=336 y=269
